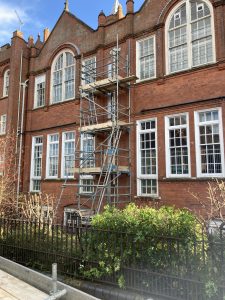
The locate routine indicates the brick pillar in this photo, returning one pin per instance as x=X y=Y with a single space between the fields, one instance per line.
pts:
x=19 y=47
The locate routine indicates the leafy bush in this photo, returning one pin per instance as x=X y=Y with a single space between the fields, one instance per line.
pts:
x=143 y=238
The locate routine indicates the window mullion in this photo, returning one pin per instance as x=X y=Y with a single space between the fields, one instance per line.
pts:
x=189 y=39
x=63 y=76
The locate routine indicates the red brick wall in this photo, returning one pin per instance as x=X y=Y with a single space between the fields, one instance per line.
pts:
x=159 y=97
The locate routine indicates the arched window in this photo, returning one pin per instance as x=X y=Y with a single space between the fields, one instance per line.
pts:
x=6 y=83
x=190 y=36
x=63 y=77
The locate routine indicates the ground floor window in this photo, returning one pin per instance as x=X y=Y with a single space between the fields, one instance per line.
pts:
x=177 y=145
x=87 y=151
x=36 y=164
x=52 y=156
x=209 y=143
x=68 y=154
x=147 y=169
x=2 y=162
x=86 y=184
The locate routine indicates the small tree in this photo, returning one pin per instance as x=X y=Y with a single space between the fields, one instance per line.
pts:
x=8 y=178
x=213 y=206
x=39 y=207
x=25 y=205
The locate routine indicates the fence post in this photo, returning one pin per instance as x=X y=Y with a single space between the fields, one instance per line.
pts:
x=54 y=278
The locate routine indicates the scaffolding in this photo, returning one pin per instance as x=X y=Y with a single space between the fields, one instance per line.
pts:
x=102 y=158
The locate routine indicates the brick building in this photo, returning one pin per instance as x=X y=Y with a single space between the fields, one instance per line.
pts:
x=154 y=132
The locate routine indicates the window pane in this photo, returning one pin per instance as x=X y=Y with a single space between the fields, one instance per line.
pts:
x=179 y=17
x=178 y=58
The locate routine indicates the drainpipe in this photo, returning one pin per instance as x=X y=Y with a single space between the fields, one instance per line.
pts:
x=24 y=85
x=19 y=99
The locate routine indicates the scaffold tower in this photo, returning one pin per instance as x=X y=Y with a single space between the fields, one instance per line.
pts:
x=102 y=158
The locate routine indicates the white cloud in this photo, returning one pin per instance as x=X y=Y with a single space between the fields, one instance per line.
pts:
x=9 y=20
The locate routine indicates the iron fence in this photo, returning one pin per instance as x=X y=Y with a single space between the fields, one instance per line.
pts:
x=173 y=268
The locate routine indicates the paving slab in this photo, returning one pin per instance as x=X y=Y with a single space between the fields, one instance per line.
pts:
x=12 y=288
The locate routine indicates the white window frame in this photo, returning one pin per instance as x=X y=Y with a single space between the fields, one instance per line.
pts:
x=48 y=156
x=83 y=138
x=167 y=150
x=63 y=175
x=197 y=143
x=68 y=211
x=81 y=189
x=2 y=163
x=32 y=176
x=83 y=66
x=138 y=157
x=138 y=58
x=6 y=79
x=63 y=76
x=3 y=122
x=38 y=80
x=190 y=66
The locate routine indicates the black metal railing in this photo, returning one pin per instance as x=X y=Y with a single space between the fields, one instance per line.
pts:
x=171 y=267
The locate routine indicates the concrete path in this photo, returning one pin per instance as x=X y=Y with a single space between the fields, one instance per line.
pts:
x=12 y=288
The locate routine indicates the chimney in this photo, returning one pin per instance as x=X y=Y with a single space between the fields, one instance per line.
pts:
x=46 y=34
x=18 y=34
x=30 y=41
x=130 y=6
x=120 y=11
x=101 y=19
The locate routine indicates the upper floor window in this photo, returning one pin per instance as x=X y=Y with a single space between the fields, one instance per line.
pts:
x=190 y=36
x=52 y=156
x=89 y=70
x=6 y=83
x=39 y=97
x=2 y=124
x=146 y=58
x=63 y=77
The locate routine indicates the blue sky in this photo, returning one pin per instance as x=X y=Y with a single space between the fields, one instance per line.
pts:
x=39 y=14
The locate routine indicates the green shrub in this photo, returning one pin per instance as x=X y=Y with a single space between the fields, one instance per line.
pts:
x=144 y=238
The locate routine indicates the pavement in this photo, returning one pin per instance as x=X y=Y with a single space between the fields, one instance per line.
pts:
x=11 y=288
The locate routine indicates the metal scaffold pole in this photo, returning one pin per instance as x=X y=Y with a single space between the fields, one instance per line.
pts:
x=102 y=159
